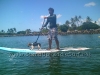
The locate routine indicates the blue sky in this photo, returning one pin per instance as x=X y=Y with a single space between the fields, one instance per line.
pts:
x=28 y=14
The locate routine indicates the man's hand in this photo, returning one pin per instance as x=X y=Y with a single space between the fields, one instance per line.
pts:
x=45 y=17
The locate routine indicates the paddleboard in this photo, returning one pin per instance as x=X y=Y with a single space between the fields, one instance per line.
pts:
x=41 y=50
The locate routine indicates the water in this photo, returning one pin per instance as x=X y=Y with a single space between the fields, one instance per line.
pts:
x=52 y=65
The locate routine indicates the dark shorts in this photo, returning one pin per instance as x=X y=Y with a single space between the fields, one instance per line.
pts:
x=52 y=33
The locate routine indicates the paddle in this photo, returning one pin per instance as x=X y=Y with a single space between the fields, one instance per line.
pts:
x=40 y=31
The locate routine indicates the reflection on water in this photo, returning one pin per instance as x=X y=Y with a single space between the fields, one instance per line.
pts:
x=54 y=65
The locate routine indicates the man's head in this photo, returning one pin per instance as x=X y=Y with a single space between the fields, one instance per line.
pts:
x=51 y=10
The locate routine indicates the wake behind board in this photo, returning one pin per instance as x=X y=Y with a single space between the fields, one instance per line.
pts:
x=41 y=50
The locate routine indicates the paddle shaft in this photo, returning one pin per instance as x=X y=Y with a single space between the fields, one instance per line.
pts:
x=39 y=32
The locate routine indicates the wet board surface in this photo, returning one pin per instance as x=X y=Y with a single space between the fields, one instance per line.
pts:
x=42 y=50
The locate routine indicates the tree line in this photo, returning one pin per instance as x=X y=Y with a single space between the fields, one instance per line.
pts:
x=13 y=31
x=74 y=23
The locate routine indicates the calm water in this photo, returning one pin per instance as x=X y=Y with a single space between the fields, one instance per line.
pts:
x=19 y=64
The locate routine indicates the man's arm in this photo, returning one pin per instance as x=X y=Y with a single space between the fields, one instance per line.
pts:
x=52 y=17
x=49 y=19
x=45 y=23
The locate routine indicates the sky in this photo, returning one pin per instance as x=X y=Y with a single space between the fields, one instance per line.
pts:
x=28 y=14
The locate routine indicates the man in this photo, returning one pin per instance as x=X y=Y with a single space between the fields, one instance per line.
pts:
x=52 y=33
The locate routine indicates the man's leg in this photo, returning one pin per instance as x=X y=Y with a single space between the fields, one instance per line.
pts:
x=49 y=39
x=50 y=42
x=57 y=43
x=56 y=38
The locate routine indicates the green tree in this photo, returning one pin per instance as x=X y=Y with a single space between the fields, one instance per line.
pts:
x=79 y=17
x=14 y=29
x=67 y=23
x=63 y=28
x=88 y=19
x=11 y=30
x=21 y=32
x=58 y=25
x=8 y=31
x=88 y=26
x=72 y=20
x=95 y=22
x=73 y=25
x=2 y=31
x=28 y=31
x=76 y=20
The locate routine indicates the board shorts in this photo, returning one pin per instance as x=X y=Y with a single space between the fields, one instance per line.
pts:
x=52 y=33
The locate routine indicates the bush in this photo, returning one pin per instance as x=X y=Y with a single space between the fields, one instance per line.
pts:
x=63 y=28
x=88 y=26
x=21 y=32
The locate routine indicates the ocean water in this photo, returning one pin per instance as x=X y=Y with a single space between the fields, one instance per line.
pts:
x=85 y=62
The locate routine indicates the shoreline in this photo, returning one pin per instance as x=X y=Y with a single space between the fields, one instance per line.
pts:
x=59 y=33
x=91 y=31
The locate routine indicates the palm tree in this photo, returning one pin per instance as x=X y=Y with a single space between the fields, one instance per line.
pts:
x=79 y=17
x=14 y=30
x=72 y=20
x=67 y=23
x=95 y=22
x=73 y=23
x=11 y=30
x=76 y=20
x=28 y=31
x=8 y=31
x=73 y=26
x=88 y=19
x=2 y=31
x=58 y=25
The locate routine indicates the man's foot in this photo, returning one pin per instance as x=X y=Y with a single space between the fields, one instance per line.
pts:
x=48 y=48
x=57 y=48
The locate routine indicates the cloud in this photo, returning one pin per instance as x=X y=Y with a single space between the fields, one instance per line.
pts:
x=90 y=4
x=83 y=20
x=42 y=16
x=98 y=21
x=59 y=23
x=59 y=15
x=93 y=21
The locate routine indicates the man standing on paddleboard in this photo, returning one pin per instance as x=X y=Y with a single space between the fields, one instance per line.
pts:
x=53 y=30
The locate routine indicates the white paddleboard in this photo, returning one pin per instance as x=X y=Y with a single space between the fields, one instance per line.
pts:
x=41 y=50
